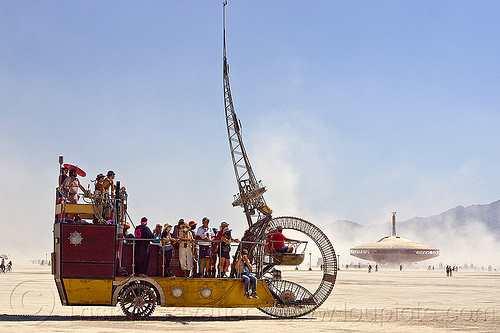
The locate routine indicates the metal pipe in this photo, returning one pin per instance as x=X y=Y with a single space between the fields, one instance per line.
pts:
x=117 y=203
x=133 y=256
x=394 y=223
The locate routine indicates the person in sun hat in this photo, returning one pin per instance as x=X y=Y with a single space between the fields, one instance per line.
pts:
x=109 y=184
x=73 y=184
x=196 y=249
x=186 y=241
x=225 y=249
x=216 y=251
x=99 y=183
x=167 y=247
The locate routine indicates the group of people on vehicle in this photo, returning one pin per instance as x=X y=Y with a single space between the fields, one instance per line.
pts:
x=69 y=184
x=203 y=252
x=104 y=190
x=198 y=251
x=198 y=248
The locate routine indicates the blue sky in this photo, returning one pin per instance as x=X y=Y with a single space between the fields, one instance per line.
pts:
x=350 y=109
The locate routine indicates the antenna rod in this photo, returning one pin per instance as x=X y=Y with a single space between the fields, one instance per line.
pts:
x=224 y=37
x=394 y=223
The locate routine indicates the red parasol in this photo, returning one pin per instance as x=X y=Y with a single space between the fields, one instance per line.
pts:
x=79 y=171
x=3 y=256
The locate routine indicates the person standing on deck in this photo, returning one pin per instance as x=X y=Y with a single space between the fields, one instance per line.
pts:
x=142 y=248
x=109 y=184
x=205 y=235
x=73 y=184
x=186 y=241
x=196 y=248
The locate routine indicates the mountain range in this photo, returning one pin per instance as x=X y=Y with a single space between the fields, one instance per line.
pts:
x=464 y=235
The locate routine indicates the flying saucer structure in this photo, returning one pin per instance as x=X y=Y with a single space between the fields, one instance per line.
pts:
x=394 y=250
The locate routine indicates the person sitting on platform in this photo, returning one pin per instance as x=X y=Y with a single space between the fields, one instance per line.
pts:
x=243 y=268
x=142 y=248
x=167 y=247
x=72 y=184
x=186 y=241
x=278 y=240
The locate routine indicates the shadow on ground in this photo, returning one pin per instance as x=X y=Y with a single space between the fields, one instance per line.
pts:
x=167 y=318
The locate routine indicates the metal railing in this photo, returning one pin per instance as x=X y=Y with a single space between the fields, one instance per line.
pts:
x=133 y=240
x=104 y=205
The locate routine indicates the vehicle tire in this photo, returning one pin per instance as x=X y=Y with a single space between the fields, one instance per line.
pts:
x=138 y=301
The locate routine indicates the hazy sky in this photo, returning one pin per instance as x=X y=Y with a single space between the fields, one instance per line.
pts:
x=350 y=109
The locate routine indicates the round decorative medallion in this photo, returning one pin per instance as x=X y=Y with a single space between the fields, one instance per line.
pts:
x=177 y=292
x=75 y=238
x=206 y=292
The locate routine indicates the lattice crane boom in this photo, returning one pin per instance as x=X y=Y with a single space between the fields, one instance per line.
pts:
x=292 y=299
x=250 y=196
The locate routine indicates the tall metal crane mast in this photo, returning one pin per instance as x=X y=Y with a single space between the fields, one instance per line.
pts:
x=292 y=299
x=250 y=196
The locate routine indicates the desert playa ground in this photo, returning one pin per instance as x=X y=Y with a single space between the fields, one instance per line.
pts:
x=384 y=301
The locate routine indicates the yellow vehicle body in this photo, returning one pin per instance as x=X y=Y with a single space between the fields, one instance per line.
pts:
x=173 y=292
x=85 y=211
x=88 y=291
x=85 y=262
x=213 y=293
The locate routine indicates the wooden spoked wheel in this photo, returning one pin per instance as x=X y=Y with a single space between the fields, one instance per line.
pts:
x=138 y=301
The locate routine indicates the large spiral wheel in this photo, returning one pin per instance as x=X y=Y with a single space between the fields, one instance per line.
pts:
x=292 y=299
x=138 y=301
